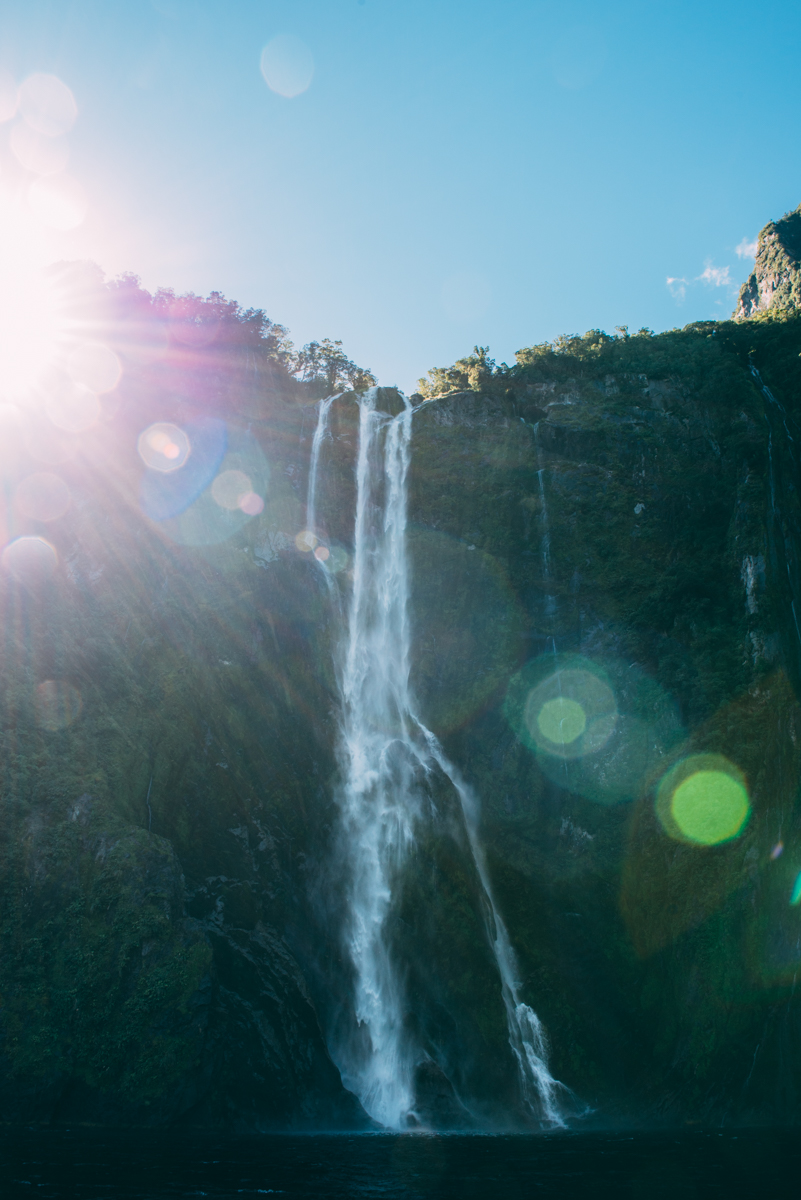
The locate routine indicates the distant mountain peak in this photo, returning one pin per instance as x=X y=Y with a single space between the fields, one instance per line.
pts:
x=775 y=281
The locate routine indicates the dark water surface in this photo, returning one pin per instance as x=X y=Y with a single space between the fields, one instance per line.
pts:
x=640 y=1166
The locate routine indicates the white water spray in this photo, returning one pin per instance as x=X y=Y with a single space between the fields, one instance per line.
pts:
x=317 y=445
x=386 y=756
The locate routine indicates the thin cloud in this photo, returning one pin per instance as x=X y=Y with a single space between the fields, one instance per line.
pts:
x=716 y=276
x=747 y=249
x=711 y=276
x=677 y=287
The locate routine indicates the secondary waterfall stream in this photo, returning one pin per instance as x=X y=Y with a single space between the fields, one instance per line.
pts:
x=387 y=756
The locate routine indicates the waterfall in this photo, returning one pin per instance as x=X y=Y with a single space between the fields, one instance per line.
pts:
x=768 y=394
x=317 y=444
x=526 y=1034
x=386 y=755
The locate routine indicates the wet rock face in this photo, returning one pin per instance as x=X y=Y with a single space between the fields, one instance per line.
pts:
x=775 y=281
x=163 y=799
x=106 y=987
x=629 y=526
x=142 y=975
x=119 y=1008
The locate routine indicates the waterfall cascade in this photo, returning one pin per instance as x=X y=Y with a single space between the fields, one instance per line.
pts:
x=317 y=445
x=386 y=757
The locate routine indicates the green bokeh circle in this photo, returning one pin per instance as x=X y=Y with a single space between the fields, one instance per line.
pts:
x=710 y=807
x=571 y=712
x=704 y=800
x=561 y=720
x=631 y=724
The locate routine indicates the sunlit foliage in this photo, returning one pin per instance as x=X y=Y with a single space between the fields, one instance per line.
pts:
x=676 y=353
x=223 y=329
x=326 y=368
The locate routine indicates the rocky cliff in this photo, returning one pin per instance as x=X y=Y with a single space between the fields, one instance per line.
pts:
x=775 y=281
x=626 y=508
x=631 y=510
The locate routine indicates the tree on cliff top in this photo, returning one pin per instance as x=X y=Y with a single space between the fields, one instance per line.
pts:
x=472 y=373
x=210 y=324
x=325 y=367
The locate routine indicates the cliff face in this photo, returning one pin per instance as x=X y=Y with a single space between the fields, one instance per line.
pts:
x=628 y=510
x=628 y=523
x=165 y=739
x=775 y=281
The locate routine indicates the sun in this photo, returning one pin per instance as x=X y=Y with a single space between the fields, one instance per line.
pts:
x=30 y=324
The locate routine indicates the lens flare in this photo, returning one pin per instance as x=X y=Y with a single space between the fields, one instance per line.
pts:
x=30 y=326
x=94 y=367
x=58 y=201
x=47 y=444
x=73 y=408
x=287 y=65
x=43 y=497
x=30 y=560
x=306 y=540
x=230 y=488
x=599 y=729
x=710 y=807
x=251 y=504
x=703 y=800
x=58 y=704
x=795 y=897
x=164 y=447
x=36 y=153
x=218 y=491
x=47 y=104
x=571 y=713
x=337 y=559
x=167 y=491
x=561 y=721
x=322 y=554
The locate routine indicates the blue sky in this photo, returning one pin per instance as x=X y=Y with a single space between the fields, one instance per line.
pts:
x=454 y=173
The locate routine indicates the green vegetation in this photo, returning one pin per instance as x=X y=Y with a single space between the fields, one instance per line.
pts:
x=99 y=980
x=325 y=367
x=679 y=354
